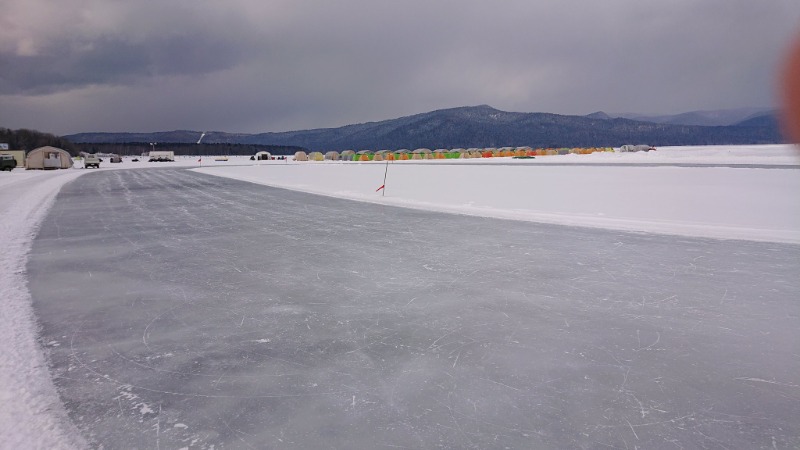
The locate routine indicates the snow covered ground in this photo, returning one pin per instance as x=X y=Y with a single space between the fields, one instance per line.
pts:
x=721 y=192
x=725 y=200
x=31 y=416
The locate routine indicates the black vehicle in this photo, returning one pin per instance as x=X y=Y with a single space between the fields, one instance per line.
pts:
x=7 y=162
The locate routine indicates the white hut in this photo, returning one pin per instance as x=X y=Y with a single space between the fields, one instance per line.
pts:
x=263 y=156
x=48 y=158
x=332 y=155
x=300 y=156
x=636 y=148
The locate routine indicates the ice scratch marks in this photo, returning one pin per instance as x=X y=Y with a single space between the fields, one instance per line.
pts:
x=158 y=428
x=379 y=340
x=435 y=346
x=125 y=392
x=500 y=384
x=638 y=337
x=761 y=380
x=238 y=433
x=634 y=431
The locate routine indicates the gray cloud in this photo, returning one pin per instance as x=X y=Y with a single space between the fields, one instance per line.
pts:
x=251 y=66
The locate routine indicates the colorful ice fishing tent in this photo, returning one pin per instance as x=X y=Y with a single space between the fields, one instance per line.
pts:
x=348 y=155
x=263 y=156
x=316 y=156
x=383 y=155
x=440 y=153
x=524 y=151
x=365 y=155
x=332 y=155
x=422 y=153
x=48 y=158
x=402 y=154
x=300 y=156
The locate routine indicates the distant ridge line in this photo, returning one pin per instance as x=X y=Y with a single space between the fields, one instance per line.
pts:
x=481 y=126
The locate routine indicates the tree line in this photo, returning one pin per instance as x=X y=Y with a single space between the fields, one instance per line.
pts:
x=141 y=148
x=28 y=140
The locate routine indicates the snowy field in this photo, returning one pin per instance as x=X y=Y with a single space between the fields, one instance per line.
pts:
x=720 y=192
x=748 y=193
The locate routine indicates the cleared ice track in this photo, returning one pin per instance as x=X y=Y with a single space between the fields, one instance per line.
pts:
x=181 y=309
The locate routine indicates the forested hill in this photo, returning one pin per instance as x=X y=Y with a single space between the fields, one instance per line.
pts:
x=139 y=148
x=477 y=126
x=30 y=139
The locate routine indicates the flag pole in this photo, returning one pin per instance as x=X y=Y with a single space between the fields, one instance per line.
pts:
x=384 y=178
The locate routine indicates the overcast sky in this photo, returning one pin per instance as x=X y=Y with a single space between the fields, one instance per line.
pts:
x=69 y=66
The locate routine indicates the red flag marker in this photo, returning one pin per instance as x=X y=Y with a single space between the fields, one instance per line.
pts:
x=383 y=186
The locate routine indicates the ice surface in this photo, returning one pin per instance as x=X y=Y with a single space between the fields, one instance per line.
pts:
x=182 y=309
x=32 y=416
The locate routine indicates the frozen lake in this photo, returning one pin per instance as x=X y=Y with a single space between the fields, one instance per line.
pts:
x=181 y=309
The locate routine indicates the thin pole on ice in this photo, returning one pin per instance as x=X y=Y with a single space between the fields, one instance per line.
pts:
x=383 y=194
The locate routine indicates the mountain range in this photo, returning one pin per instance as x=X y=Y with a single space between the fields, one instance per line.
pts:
x=722 y=117
x=484 y=126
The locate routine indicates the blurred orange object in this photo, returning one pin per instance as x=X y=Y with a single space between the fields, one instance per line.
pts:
x=790 y=93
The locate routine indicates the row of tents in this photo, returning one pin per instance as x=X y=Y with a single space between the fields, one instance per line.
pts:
x=424 y=153
x=47 y=157
x=56 y=158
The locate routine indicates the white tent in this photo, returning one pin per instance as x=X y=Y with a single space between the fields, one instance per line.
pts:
x=48 y=158
x=263 y=156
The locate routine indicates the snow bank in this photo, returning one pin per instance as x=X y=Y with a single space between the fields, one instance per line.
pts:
x=759 y=204
x=32 y=415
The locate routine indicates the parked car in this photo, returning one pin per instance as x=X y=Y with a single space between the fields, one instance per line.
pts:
x=7 y=162
x=91 y=161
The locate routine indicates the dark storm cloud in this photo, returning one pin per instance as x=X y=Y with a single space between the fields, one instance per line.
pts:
x=267 y=66
x=112 y=61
